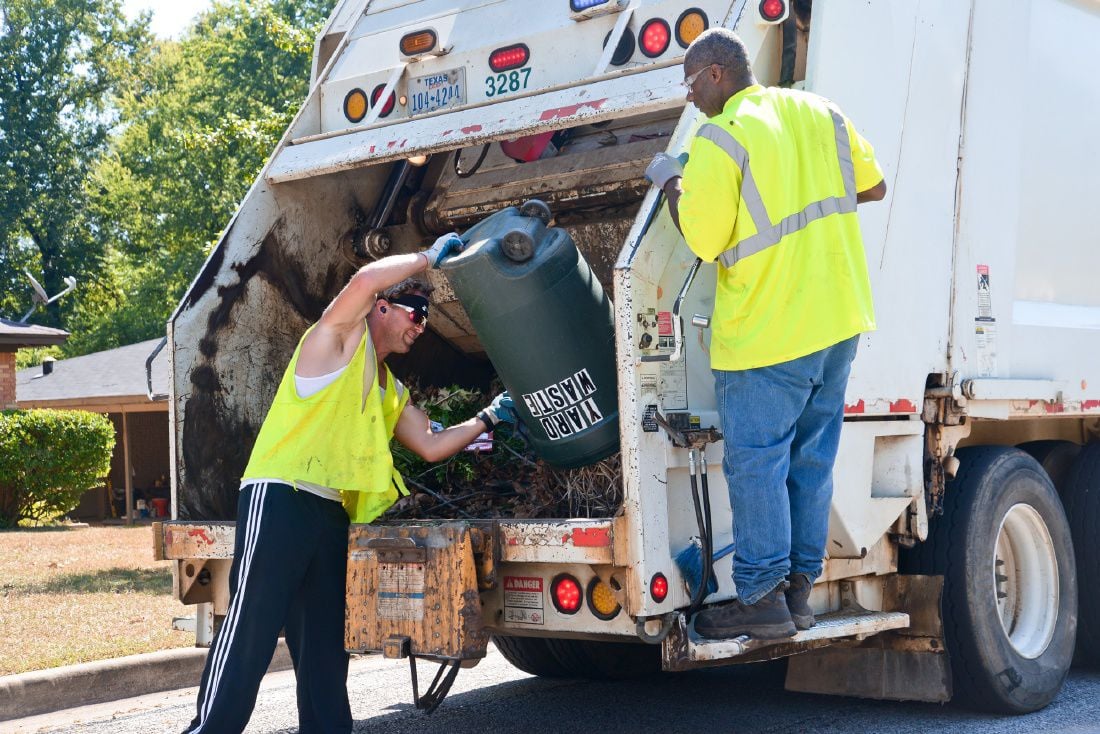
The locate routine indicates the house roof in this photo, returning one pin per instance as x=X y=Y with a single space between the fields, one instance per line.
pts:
x=14 y=335
x=96 y=381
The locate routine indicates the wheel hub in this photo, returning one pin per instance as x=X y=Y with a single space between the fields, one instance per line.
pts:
x=1025 y=580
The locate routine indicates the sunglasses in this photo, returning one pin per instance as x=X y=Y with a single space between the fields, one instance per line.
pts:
x=689 y=82
x=415 y=316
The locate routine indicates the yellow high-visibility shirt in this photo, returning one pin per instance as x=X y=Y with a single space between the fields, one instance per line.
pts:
x=769 y=192
x=338 y=437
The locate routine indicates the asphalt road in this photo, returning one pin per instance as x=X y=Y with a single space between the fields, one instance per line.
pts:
x=494 y=697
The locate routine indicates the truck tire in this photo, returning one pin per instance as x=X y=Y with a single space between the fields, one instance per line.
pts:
x=1082 y=502
x=562 y=658
x=1056 y=458
x=620 y=660
x=531 y=655
x=1010 y=592
x=607 y=660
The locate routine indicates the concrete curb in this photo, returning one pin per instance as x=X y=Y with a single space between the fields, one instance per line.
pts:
x=55 y=689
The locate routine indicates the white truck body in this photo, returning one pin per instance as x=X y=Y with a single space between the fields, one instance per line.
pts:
x=981 y=114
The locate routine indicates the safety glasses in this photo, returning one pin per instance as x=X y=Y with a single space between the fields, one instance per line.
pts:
x=689 y=82
x=415 y=316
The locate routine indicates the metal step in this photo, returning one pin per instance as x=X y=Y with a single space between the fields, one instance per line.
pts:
x=684 y=649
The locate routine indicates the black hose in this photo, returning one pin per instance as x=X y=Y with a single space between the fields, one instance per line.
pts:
x=477 y=163
x=703 y=518
x=708 y=544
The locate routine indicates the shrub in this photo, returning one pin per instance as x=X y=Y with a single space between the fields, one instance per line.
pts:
x=48 y=458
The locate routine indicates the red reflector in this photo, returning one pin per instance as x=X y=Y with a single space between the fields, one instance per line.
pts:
x=388 y=107
x=654 y=37
x=566 y=593
x=658 y=587
x=509 y=57
x=772 y=9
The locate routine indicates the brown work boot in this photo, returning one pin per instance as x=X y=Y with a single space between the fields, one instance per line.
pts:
x=767 y=619
x=798 y=600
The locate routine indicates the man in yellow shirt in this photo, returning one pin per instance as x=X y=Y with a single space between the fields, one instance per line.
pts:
x=320 y=461
x=770 y=192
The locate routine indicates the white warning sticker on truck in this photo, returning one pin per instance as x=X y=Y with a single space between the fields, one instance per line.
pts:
x=401 y=591
x=523 y=600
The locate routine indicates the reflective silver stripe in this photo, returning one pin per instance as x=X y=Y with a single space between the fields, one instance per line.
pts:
x=750 y=194
x=768 y=234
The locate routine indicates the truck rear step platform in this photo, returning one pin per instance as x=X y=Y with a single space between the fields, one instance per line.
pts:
x=683 y=649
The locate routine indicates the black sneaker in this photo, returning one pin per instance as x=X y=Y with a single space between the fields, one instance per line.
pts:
x=767 y=619
x=798 y=600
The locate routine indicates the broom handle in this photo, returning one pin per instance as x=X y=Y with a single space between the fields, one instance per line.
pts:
x=723 y=552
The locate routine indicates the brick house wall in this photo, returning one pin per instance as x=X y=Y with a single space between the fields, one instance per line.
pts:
x=7 y=380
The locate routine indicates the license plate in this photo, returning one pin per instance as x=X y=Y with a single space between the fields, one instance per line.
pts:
x=437 y=91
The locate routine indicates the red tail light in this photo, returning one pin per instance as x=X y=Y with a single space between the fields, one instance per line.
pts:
x=509 y=57
x=388 y=107
x=773 y=10
x=565 y=592
x=654 y=37
x=658 y=587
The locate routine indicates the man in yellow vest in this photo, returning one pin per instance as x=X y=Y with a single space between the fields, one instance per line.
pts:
x=322 y=460
x=770 y=191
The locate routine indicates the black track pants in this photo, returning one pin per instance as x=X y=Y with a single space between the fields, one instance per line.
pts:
x=289 y=565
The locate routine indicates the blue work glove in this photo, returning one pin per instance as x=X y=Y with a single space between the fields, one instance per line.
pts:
x=447 y=245
x=664 y=167
x=502 y=409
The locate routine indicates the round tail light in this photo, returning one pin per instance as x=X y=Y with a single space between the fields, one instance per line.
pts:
x=773 y=11
x=565 y=592
x=658 y=587
x=386 y=108
x=654 y=37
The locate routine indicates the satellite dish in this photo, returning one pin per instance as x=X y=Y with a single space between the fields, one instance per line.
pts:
x=40 y=297
x=39 y=292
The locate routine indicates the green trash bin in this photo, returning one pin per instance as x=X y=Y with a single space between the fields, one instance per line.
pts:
x=548 y=328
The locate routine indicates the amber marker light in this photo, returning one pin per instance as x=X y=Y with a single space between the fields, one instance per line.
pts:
x=420 y=42
x=689 y=25
x=601 y=599
x=355 y=105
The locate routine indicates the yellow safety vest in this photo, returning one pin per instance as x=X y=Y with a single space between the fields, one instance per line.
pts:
x=769 y=192
x=338 y=437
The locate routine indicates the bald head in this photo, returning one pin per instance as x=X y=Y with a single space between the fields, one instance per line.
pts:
x=723 y=47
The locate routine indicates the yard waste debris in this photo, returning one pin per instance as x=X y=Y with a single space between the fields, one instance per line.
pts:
x=507 y=481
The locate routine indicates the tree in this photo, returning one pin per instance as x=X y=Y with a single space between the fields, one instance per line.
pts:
x=207 y=114
x=62 y=63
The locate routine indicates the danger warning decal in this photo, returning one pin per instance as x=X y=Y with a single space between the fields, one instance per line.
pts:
x=523 y=600
x=565 y=407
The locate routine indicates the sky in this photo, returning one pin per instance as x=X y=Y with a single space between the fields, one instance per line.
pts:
x=170 y=17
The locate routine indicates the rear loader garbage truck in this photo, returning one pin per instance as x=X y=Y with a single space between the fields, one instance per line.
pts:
x=962 y=561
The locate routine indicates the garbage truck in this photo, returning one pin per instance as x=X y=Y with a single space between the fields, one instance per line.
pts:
x=961 y=556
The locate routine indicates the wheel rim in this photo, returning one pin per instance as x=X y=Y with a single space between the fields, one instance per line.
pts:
x=1025 y=580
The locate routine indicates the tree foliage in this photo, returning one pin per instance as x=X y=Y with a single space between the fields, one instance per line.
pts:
x=62 y=64
x=194 y=134
x=48 y=458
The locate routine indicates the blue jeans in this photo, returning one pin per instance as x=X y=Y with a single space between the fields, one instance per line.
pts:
x=781 y=426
